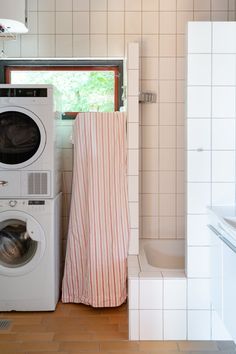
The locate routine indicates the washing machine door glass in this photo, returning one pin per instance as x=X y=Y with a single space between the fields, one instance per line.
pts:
x=19 y=137
x=16 y=246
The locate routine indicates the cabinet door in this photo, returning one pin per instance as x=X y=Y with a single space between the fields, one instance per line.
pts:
x=229 y=290
x=216 y=274
x=10 y=184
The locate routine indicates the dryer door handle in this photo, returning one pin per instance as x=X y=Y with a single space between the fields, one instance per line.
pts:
x=34 y=230
x=3 y=183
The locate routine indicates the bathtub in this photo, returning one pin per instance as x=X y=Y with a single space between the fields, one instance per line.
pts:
x=161 y=255
x=157 y=288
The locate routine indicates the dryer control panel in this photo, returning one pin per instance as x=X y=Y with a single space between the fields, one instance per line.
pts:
x=23 y=92
x=31 y=205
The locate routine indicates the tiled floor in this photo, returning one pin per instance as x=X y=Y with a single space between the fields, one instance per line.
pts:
x=78 y=329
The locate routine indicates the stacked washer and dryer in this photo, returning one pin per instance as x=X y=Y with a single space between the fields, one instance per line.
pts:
x=30 y=199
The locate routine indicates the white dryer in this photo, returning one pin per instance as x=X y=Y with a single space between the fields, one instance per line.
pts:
x=29 y=156
x=29 y=254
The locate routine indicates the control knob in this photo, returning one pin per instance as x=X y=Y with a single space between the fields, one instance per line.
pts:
x=12 y=203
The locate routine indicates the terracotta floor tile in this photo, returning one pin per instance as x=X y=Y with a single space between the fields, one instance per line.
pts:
x=85 y=352
x=158 y=345
x=26 y=321
x=80 y=329
x=6 y=346
x=15 y=351
x=197 y=346
x=22 y=313
x=74 y=321
x=28 y=328
x=91 y=327
x=114 y=310
x=73 y=337
x=99 y=320
x=118 y=346
x=84 y=310
x=79 y=346
x=8 y=337
x=50 y=352
x=123 y=327
x=127 y=352
x=110 y=336
x=40 y=346
x=121 y=319
x=35 y=337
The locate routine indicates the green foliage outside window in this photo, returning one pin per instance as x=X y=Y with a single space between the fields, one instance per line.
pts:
x=76 y=91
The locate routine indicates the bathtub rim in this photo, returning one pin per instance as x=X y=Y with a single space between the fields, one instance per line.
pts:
x=148 y=271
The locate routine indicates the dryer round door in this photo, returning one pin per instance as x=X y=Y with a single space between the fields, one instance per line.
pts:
x=22 y=243
x=22 y=137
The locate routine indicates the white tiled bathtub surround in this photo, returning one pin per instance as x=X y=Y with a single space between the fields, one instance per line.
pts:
x=157 y=301
x=166 y=305
x=210 y=178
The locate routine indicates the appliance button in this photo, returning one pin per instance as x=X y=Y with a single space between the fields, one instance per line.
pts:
x=12 y=203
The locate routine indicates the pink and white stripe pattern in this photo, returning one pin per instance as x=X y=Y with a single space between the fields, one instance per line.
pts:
x=96 y=257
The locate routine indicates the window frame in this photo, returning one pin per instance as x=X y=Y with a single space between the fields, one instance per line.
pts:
x=6 y=66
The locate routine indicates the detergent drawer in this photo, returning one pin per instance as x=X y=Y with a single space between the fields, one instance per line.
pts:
x=10 y=184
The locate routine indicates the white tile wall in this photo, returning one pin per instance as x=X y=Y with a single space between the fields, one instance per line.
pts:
x=199 y=102
x=197 y=232
x=101 y=28
x=199 y=166
x=151 y=294
x=223 y=102
x=199 y=38
x=223 y=166
x=151 y=325
x=224 y=38
x=224 y=141
x=198 y=262
x=133 y=296
x=133 y=142
x=213 y=137
x=133 y=324
x=219 y=332
x=223 y=69
x=198 y=197
x=175 y=325
x=199 y=325
x=199 y=294
x=179 y=289
x=223 y=193
x=199 y=69
x=199 y=134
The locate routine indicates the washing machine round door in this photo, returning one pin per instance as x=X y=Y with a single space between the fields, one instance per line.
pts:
x=22 y=243
x=22 y=137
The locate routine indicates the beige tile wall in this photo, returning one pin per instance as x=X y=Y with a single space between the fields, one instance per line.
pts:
x=101 y=29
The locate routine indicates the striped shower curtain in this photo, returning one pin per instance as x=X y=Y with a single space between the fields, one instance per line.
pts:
x=96 y=257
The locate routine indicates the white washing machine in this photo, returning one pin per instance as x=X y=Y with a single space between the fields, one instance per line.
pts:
x=29 y=156
x=29 y=254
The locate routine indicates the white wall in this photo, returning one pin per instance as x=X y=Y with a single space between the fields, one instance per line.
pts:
x=211 y=145
x=101 y=29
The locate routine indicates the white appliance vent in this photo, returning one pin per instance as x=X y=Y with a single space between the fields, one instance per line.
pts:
x=4 y=324
x=38 y=183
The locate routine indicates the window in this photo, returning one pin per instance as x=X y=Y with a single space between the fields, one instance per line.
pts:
x=80 y=86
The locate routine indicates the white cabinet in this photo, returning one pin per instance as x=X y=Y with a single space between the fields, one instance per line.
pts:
x=229 y=289
x=223 y=274
x=216 y=273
